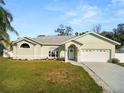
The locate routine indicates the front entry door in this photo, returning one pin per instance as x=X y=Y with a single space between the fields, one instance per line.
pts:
x=71 y=53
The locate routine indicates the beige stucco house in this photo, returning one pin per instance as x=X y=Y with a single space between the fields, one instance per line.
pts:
x=90 y=47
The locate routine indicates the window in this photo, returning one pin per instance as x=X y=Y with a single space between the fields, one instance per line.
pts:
x=49 y=53
x=24 y=46
x=53 y=53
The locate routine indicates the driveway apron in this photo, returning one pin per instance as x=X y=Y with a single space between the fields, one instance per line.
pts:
x=110 y=73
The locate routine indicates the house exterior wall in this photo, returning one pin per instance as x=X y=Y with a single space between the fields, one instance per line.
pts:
x=35 y=51
x=45 y=51
x=42 y=51
x=91 y=42
x=23 y=53
x=61 y=51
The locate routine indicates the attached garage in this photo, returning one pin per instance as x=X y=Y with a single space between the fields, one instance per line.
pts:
x=91 y=47
x=95 y=55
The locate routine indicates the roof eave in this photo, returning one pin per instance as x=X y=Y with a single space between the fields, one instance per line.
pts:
x=33 y=40
x=26 y=39
x=52 y=44
x=112 y=41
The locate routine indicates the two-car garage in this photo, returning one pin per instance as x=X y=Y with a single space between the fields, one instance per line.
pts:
x=92 y=47
x=95 y=55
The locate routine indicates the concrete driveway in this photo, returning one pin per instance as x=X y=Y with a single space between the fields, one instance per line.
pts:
x=112 y=74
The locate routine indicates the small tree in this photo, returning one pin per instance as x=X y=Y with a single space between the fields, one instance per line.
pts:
x=108 y=34
x=5 y=25
x=97 y=28
x=83 y=32
x=76 y=34
x=119 y=33
x=64 y=30
x=2 y=2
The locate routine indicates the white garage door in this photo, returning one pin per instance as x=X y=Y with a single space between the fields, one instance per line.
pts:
x=95 y=55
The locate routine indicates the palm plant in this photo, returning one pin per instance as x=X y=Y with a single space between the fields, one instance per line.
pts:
x=2 y=2
x=5 y=25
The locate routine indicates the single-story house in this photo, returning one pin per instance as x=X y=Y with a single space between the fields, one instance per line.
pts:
x=89 y=47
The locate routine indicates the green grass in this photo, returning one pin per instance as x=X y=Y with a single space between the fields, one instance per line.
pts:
x=44 y=77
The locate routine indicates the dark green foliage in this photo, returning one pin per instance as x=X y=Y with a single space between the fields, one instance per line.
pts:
x=81 y=33
x=2 y=1
x=64 y=30
x=114 y=60
x=5 y=25
x=1 y=49
x=76 y=34
x=119 y=33
x=108 y=34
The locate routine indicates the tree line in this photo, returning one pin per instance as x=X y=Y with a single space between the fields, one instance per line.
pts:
x=116 y=34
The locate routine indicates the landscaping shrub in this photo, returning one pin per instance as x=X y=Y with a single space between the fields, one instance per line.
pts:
x=61 y=59
x=114 y=60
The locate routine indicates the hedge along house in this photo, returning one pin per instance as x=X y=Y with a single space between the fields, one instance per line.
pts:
x=89 y=47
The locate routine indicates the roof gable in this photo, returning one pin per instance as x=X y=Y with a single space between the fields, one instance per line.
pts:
x=24 y=39
x=46 y=40
x=98 y=36
x=59 y=40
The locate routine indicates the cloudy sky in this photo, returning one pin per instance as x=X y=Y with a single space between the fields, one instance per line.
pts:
x=36 y=17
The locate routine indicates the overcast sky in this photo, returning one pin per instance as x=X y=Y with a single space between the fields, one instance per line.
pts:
x=36 y=17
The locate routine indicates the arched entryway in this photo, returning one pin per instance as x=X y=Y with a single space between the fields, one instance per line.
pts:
x=72 y=52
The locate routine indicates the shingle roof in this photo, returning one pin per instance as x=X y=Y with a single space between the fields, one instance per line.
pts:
x=47 y=40
x=24 y=38
x=95 y=34
x=52 y=40
x=58 y=40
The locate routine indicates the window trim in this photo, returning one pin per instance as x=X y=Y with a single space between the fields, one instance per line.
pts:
x=54 y=53
x=24 y=45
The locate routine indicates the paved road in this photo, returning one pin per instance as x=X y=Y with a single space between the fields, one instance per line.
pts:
x=112 y=74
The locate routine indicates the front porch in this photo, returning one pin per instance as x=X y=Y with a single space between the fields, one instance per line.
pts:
x=72 y=52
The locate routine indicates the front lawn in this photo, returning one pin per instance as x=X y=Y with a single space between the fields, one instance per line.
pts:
x=44 y=77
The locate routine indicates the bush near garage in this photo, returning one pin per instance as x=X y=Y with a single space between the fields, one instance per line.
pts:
x=114 y=60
